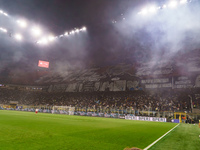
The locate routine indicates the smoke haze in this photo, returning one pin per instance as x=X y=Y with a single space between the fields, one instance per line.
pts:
x=133 y=38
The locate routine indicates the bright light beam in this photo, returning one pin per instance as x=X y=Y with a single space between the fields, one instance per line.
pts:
x=152 y=9
x=51 y=38
x=36 y=31
x=44 y=41
x=77 y=30
x=22 y=23
x=4 y=30
x=4 y=13
x=18 y=37
x=183 y=1
x=164 y=6
x=84 y=29
x=66 y=33
x=144 y=11
x=173 y=4
x=72 y=31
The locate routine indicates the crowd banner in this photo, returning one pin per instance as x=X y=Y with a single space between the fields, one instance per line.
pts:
x=128 y=117
x=119 y=85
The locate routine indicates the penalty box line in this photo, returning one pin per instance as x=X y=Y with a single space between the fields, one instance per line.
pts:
x=160 y=138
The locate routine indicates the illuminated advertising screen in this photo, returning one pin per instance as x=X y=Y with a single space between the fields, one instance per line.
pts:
x=44 y=64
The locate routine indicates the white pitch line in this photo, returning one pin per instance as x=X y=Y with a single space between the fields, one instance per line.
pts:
x=160 y=138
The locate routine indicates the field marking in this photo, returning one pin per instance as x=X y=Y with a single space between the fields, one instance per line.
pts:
x=159 y=138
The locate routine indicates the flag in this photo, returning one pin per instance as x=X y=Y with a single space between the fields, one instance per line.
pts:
x=44 y=64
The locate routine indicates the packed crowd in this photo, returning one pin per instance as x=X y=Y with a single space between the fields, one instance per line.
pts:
x=137 y=100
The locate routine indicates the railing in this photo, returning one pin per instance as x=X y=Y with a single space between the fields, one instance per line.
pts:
x=106 y=110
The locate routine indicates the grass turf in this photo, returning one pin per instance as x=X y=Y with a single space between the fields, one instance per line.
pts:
x=30 y=131
x=184 y=137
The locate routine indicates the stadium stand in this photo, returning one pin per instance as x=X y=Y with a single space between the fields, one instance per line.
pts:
x=137 y=100
x=163 y=86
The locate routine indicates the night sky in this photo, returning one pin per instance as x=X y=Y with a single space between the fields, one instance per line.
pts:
x=100 y=45
x=105 y=43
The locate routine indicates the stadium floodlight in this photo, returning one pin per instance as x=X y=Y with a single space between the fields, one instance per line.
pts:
x=72 y=32
x=18 y=37
x=183 y=1
x=4 y=30
x=152 y=9
x=5 y=14
x=22 y=23
x=36 y=31
x=77 y=30
x=51 y=38
x=173 y=4
x=164 y=6
x=144 y=11
x=43 y=41
x=84 y=29
x=66 y=33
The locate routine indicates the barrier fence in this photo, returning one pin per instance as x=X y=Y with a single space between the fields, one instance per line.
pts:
x=103 y=112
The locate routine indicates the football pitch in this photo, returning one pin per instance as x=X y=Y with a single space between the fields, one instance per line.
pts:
x=30 y=131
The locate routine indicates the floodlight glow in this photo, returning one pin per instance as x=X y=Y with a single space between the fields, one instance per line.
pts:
x=5 y=14
x=4 y=30
x=77 y=30
x=84 y=28
x=164 y=6
x=183 y=1
x=44 y=41
x=51 y=38
x=173 y=4
x=72 y=32
x=36 y=31
x=152 y=9
x=18 y=37
x=22 y=23
x=66 y=33
x=144 y=11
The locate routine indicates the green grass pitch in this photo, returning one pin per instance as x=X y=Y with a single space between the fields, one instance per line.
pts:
x=30 y=131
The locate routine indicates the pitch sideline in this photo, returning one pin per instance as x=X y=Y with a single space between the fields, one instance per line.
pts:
x=160 y=138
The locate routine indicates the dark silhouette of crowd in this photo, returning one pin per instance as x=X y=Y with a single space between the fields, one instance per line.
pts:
x=169 y=100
